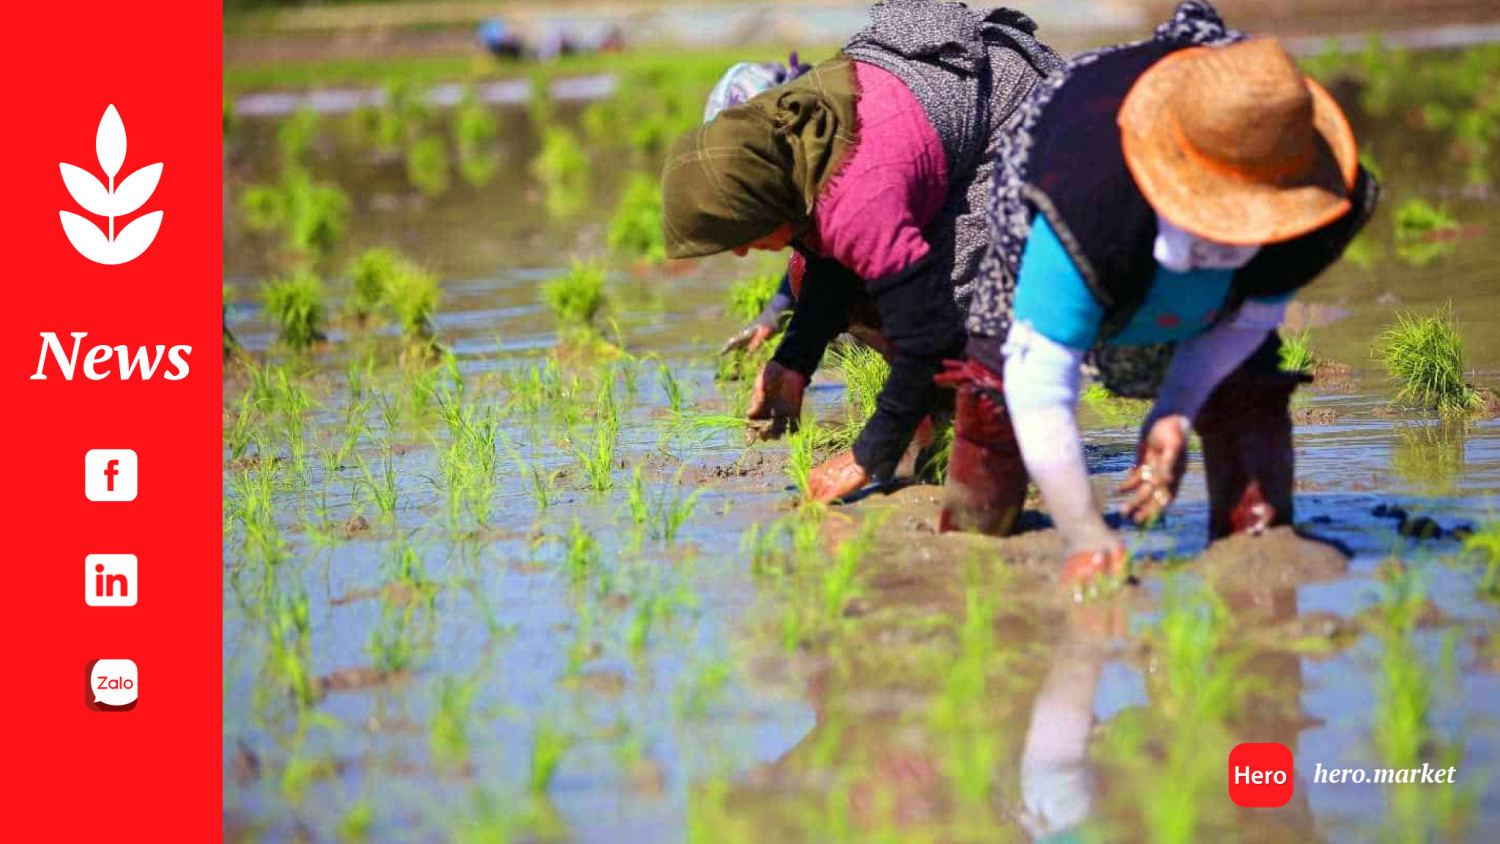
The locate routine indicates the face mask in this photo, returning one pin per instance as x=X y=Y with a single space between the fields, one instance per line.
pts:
x=1182 y=252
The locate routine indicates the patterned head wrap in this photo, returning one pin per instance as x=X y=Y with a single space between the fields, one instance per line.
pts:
x=743 y=81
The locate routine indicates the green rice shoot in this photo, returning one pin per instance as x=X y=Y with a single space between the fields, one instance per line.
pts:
x=1425 y=356
x=577 y=297
x=1296 y=352
x=750 y=295
x=295 y=301
x=635 y=228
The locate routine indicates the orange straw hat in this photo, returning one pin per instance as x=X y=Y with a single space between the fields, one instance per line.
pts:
x=1235 y=145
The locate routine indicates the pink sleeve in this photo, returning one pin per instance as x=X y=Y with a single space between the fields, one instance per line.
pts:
x=871 y=215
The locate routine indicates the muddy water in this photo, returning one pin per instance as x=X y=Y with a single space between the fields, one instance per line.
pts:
x=697 y=691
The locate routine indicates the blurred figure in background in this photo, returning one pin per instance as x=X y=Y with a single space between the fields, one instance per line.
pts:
x=504 y=41
x=501 y=40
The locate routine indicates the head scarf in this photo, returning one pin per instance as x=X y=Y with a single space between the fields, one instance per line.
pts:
x=758 y=165
x=745 y=80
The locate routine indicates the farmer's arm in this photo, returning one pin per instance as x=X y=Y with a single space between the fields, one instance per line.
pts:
x=822 y=312
x=1201 y=362
x=1198 y=365
x=922 y=326
x=1057 y=318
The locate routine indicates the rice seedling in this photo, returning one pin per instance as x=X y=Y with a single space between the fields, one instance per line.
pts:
x=972 y=748
x=1098 y=402
x=288 y=625
x=448 y=732
x=635 y=228
x=672 y=387
x=802 y=457
x=489 y=822
x=412 y=294
x=476 y=132
x=427 y=165
x=230 y=122
x=291 y=407
x=1199 y=684
x=241 y=432
x=356 y=824
x=369 y=277
x=839 y=585
x=541 y=485
x=636 y=503
x=932 y=463
x=1485 y=543
x=577 y=297
x=581 y=553
x=262 y=208
x=315 y=213
x=1201 y=680
x=735 y=372
x=1296 y=352
x=301 y=772
x=598 y=460
x=666 y=512
x=296 y=303
x=404 y=568
x=384 y=490
x=648 y=609
x=539 y=106
x=698 y=690
x=765 y=546
x=1403 y=686
x=295 y=135
x=407 y=104
x=311 y=215
x=864 y=371
x=548 y=744
x=1419 y=232
x=583 y=647
x=1425 y=355
x=562 y=167
x=391 y=645
x=749 y=296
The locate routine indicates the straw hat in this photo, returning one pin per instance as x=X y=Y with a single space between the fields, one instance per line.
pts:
x=1235 y=145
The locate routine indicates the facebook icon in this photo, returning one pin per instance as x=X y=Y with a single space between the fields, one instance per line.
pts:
x=109 y=474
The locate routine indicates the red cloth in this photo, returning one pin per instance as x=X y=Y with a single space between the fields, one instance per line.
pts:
x=870 y=215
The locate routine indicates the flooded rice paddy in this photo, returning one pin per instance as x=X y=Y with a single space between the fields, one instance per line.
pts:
x=531 y=585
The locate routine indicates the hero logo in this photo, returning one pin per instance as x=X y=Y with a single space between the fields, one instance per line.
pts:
x=111 y=201
x=96 y=361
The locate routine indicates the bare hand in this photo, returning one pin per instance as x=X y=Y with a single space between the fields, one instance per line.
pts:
x=748 y=338
x=1161 y=459
x=839 y=476
x=1086 y=572
x=776 y=402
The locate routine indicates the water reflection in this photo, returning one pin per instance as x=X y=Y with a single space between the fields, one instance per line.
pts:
x=1430 y=456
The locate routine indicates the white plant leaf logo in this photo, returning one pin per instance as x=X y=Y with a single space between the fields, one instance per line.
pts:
x=111 y=202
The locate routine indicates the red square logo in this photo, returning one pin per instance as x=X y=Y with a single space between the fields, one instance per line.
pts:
x=1260 y=775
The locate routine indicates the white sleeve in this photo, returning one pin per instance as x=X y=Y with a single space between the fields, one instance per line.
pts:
x=1042 y=382
x=1201 y=362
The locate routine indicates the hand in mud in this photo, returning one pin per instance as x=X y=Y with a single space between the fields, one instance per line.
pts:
x=748 y=338
x=776 y=403
x=837 y=477
x=1086 y=573
x=1160 y=461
